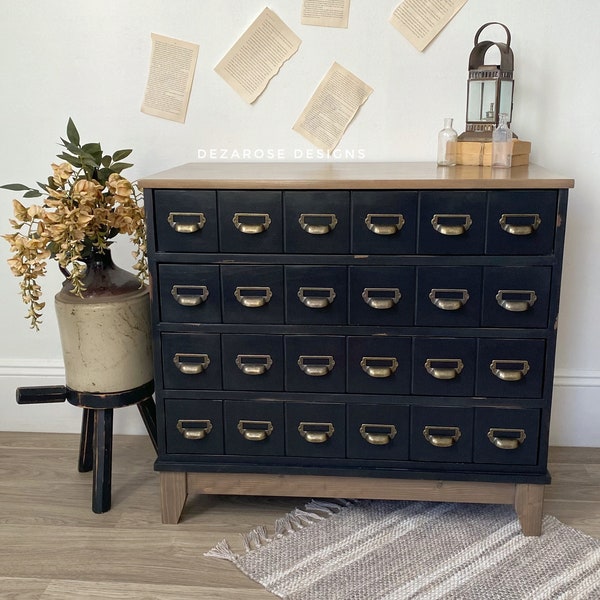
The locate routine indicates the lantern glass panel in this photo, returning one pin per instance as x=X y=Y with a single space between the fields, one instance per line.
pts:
x=481 y=101
x=506 y=93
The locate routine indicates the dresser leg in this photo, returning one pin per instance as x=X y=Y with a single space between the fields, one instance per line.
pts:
x=529 y=504
x=173 y=494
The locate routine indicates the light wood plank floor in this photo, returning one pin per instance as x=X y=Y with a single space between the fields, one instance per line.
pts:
x=52 y=547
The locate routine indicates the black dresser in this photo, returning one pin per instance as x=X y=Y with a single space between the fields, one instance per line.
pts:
x=364 y=330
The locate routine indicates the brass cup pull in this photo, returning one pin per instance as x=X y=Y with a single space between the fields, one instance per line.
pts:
x=379 y=366
x=444 y=368
x=251 y=223
x=448 y=299
x=316 y=433
x=253 y=364
x=441 y=437
x=194 y=429
x=376 y=434
x=509 y=370
x=506 y=439
x=255 y=431
x=318 y=224
x=513 y=223
x=316 y=297
x=381 y=298
x=516 y=300
x=186 y=222
x=189 y=295
x=191 y=364
x=451 y=224
x=253 y=297
x=374 y=224
x=316 y=366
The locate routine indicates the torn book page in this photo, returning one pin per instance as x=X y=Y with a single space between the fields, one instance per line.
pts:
x=326 y=13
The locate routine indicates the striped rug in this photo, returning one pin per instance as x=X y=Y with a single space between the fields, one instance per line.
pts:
x=376 y=550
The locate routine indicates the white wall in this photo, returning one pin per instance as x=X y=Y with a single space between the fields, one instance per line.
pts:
x=89 y=61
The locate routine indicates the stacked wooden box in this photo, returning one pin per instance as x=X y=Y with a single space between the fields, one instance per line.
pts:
x=480 y=153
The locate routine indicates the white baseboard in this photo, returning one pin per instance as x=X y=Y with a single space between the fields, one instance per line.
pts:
x=575 y=412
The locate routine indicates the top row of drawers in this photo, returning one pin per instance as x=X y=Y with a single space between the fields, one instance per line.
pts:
x=502 y=222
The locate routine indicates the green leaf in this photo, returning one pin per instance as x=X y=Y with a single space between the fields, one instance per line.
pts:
x=72 y=160
x=121 y=154
x=120 y=166
x=15 y=187
x=92 y=148
x=106 y=160
x=72 y=132
x=32 y=194
x=71 y=147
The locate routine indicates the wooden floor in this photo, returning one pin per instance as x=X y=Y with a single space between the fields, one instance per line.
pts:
x=52 y=547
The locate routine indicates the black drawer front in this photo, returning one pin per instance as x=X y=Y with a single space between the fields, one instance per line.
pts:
x=252 y=362
x=384 y=222
x=254 y=428
x=449 y=296
x=521 y=222
x=452 y=222
x=194 y=426
x=377 y=432
x=441 y=434
x=444 y=366
x=316 y=295
x=315 y=363
x=191 y=361
x=190 y=293
x=317 y=222
x=379 y=365
x=516 y=296
x=250 y=221
x=315 y=430
x=510 y=368
x=252 y=293
x=186 y=220
x=381 y=295
x=506 y=436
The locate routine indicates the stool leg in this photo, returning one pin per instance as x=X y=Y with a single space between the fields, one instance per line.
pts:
x=86 y=458
x=101 y=490
x=147 y=410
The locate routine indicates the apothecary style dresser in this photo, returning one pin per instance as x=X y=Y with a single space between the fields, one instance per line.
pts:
x=358 y=330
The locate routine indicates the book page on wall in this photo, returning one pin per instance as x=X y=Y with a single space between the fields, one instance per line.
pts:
x=170 y=77
x=258 y=55
x=326 y=13
x=332 y=107
x=420 y=21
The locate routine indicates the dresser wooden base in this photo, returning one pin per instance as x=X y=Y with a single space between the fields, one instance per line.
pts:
x=527 y=498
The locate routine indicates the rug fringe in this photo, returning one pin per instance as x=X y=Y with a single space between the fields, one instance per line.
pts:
x=222 y=550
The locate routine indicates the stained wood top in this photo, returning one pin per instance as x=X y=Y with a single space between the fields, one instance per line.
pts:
x=355 y=175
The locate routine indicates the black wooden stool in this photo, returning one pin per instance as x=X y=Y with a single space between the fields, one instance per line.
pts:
x=95 y=445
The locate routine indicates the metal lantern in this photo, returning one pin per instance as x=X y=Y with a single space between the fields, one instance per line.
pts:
x=489 y=88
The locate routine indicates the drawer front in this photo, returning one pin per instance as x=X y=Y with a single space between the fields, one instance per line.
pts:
x=506 y=436
x=191 y=361
x=379 y=365
x=516 y=296
x=252 y=362
x=521 y=222
x=377 y=432
x=452 y=222
x=317 y=222
x=189 y=293
x=510 y=368
x=315 y=363
x=444 y=366
x=441 y=434
x=254 y=428
x=384 y=222
x=194 y=426
x=448 y=296
x=186 y=221
x=250 y=221
x=252 y=293
x=315 y=429
x=381 y=295
x=316 y=295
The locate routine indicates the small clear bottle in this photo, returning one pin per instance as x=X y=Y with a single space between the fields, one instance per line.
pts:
x=502 y=143
x=447 y=138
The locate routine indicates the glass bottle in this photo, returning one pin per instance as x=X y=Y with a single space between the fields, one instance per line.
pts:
x=502 y=142
x=447 y=138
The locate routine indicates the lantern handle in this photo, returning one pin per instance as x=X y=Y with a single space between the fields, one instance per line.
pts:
x=493 y=23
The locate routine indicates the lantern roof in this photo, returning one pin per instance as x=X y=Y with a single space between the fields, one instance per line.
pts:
x=477 y=56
